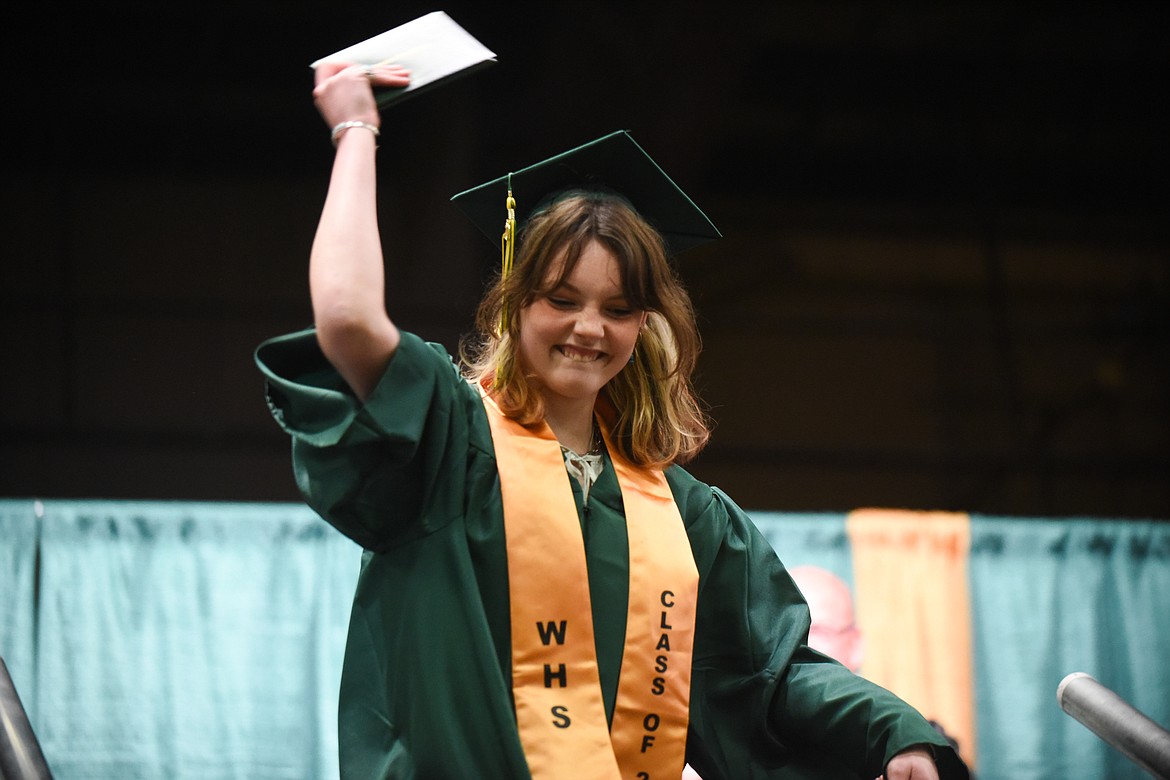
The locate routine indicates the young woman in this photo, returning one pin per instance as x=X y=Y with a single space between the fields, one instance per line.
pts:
x=544 y=591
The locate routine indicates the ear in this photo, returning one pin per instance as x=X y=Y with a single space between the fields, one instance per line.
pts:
x=645 y=316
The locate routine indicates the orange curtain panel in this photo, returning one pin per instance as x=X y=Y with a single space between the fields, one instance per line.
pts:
x=913 y=609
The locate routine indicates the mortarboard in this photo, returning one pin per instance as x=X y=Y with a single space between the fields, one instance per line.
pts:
x=613 y=163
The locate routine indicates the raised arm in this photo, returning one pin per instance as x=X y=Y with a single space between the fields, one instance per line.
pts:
x=346 y=276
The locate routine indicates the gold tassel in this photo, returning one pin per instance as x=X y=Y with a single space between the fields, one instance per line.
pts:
x=508 y=251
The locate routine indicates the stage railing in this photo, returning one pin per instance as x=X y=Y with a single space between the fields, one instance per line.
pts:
x=20 y=753
x=1117 y=722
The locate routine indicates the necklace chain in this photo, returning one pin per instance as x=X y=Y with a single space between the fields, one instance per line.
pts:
x=594 y=444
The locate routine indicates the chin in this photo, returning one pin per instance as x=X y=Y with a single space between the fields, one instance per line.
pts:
x=576 y=384
x=574 y=389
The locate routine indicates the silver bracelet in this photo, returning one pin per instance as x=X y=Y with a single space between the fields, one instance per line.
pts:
x=341 y=127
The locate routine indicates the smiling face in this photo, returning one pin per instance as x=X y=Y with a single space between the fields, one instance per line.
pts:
x=578 y=335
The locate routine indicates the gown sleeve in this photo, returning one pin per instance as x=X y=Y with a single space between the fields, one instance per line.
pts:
x=764 y=704
x=387 y=471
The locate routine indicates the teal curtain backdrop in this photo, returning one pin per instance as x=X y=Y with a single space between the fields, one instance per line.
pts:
x=182 y=640
x=18 y=555
x=1050 y=597
x=809 y=539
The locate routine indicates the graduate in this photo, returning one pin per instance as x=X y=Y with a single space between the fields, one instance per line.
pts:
x=545 y=592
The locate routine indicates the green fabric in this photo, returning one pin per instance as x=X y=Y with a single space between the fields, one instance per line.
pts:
x=1054 y=597
x=425 y=687
x=809 y=539
x=612 y=164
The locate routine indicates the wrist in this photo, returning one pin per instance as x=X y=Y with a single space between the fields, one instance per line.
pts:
x=341 y=128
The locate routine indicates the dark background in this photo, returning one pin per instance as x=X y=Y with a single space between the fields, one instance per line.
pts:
x=945 y=281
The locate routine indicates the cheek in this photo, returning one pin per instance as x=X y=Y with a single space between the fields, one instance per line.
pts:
x=536 y=329
x=537 y=325
x=629 y=334
x=527 y=343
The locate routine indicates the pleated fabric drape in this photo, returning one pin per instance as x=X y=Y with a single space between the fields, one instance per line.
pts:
x=204 y=640
x=913 y=609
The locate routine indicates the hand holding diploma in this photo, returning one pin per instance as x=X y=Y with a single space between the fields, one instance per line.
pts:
x=433 y=49
x=344 y=92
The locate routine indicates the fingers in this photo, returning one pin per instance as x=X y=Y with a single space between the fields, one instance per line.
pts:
x=388 y=75
x=327 y=70
x=913 y=764
x=344 y=91
x=383 y=75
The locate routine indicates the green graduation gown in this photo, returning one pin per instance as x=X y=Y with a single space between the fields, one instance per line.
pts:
x=426 y=684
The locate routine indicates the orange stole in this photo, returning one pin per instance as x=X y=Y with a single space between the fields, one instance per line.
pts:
x=559 y=709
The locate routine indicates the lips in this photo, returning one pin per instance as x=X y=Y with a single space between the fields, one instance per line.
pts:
x=579 y=354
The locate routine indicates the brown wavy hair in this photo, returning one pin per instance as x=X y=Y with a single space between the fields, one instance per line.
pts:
x=656 y=418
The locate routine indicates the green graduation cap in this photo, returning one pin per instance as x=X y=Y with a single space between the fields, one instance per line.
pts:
x=613 y=163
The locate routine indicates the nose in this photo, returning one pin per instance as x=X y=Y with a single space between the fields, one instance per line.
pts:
x=589 y=324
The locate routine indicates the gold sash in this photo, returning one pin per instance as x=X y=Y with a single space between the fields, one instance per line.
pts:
x=559 y=709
